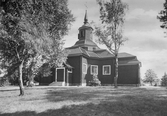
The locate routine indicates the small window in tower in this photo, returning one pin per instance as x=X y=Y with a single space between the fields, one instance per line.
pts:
x=82 y=33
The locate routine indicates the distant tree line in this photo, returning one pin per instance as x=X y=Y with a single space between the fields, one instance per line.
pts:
x=151 y=77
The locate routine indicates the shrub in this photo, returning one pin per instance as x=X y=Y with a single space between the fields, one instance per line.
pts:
x=3 y=81
x=95 y=81
x=164 y=80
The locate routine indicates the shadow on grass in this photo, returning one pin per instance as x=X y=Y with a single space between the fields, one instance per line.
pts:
x=91 y=93
x=101 y=102
x=102 y=109
x=9 y=90
x=74 y=110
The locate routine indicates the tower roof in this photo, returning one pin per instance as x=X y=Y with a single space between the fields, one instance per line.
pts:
x=85 y=43
x=86 y=23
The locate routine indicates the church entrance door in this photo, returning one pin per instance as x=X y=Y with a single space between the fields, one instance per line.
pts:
x=60 y=74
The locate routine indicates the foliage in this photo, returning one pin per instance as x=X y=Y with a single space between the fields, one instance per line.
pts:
x=150 y=76
x=46 y=22
x=162 y=16
x=95 y=81
x=33 y=67
x=164 y=80
x=32 y=28
x=110 y=33
x=14 y=50
x=3 y=81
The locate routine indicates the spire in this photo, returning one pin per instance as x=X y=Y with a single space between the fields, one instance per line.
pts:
x=85 y=19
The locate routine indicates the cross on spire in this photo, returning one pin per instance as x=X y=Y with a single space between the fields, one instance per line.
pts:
x=85 y=19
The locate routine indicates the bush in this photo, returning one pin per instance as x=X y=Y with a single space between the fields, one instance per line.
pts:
x=95 y=81
x=164 y=80
x=3 y=81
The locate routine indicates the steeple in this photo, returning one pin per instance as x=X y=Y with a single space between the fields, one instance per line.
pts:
x=85 y=19
x=85 y=36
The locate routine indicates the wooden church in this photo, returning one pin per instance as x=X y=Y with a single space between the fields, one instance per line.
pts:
x=85 y=58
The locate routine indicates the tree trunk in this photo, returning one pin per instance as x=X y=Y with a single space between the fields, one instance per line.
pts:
x=116 y=71
x=21 y=79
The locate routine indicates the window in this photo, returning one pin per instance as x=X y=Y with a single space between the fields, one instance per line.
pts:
x=82 y=33
x=94 y=69
x=69 y=70
x=84 y=68
x=106 y=69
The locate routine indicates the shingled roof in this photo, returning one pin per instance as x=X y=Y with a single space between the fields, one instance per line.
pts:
x=123 y=55
x=84 y=43
x=130 y=61
x=101 y=53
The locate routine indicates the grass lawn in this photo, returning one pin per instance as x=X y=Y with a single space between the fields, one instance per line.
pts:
x=84 y=101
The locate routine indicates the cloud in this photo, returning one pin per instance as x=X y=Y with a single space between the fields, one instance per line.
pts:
x=70 y=40
x=150 y=47
x=145 y=4
x=141 y=14
x=146 y=40
x=141 y=19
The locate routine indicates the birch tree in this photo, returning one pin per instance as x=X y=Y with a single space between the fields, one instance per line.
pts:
x=110 y=33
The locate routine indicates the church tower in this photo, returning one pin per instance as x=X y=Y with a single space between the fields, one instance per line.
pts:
x=85 y=32
x=85 y=36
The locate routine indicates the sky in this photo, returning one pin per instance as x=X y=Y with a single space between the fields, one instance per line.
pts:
x=146 y=39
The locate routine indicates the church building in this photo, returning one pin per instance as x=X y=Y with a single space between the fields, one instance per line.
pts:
x=85 y=58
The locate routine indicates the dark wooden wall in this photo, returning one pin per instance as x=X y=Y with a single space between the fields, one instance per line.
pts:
x=87 y=77
x=75 y=63
x=105 y=79
x=128 y=74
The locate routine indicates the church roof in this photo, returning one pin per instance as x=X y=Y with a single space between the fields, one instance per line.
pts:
x=124 y=58
x=101 y=53
x=129 y=61
x=84 y=43
x=123 y=55
x=85 y=26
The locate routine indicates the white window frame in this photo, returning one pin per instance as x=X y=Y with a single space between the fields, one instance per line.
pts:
x=109 y=69
x=91 y=69
x=83 y=67
x=70 y=71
